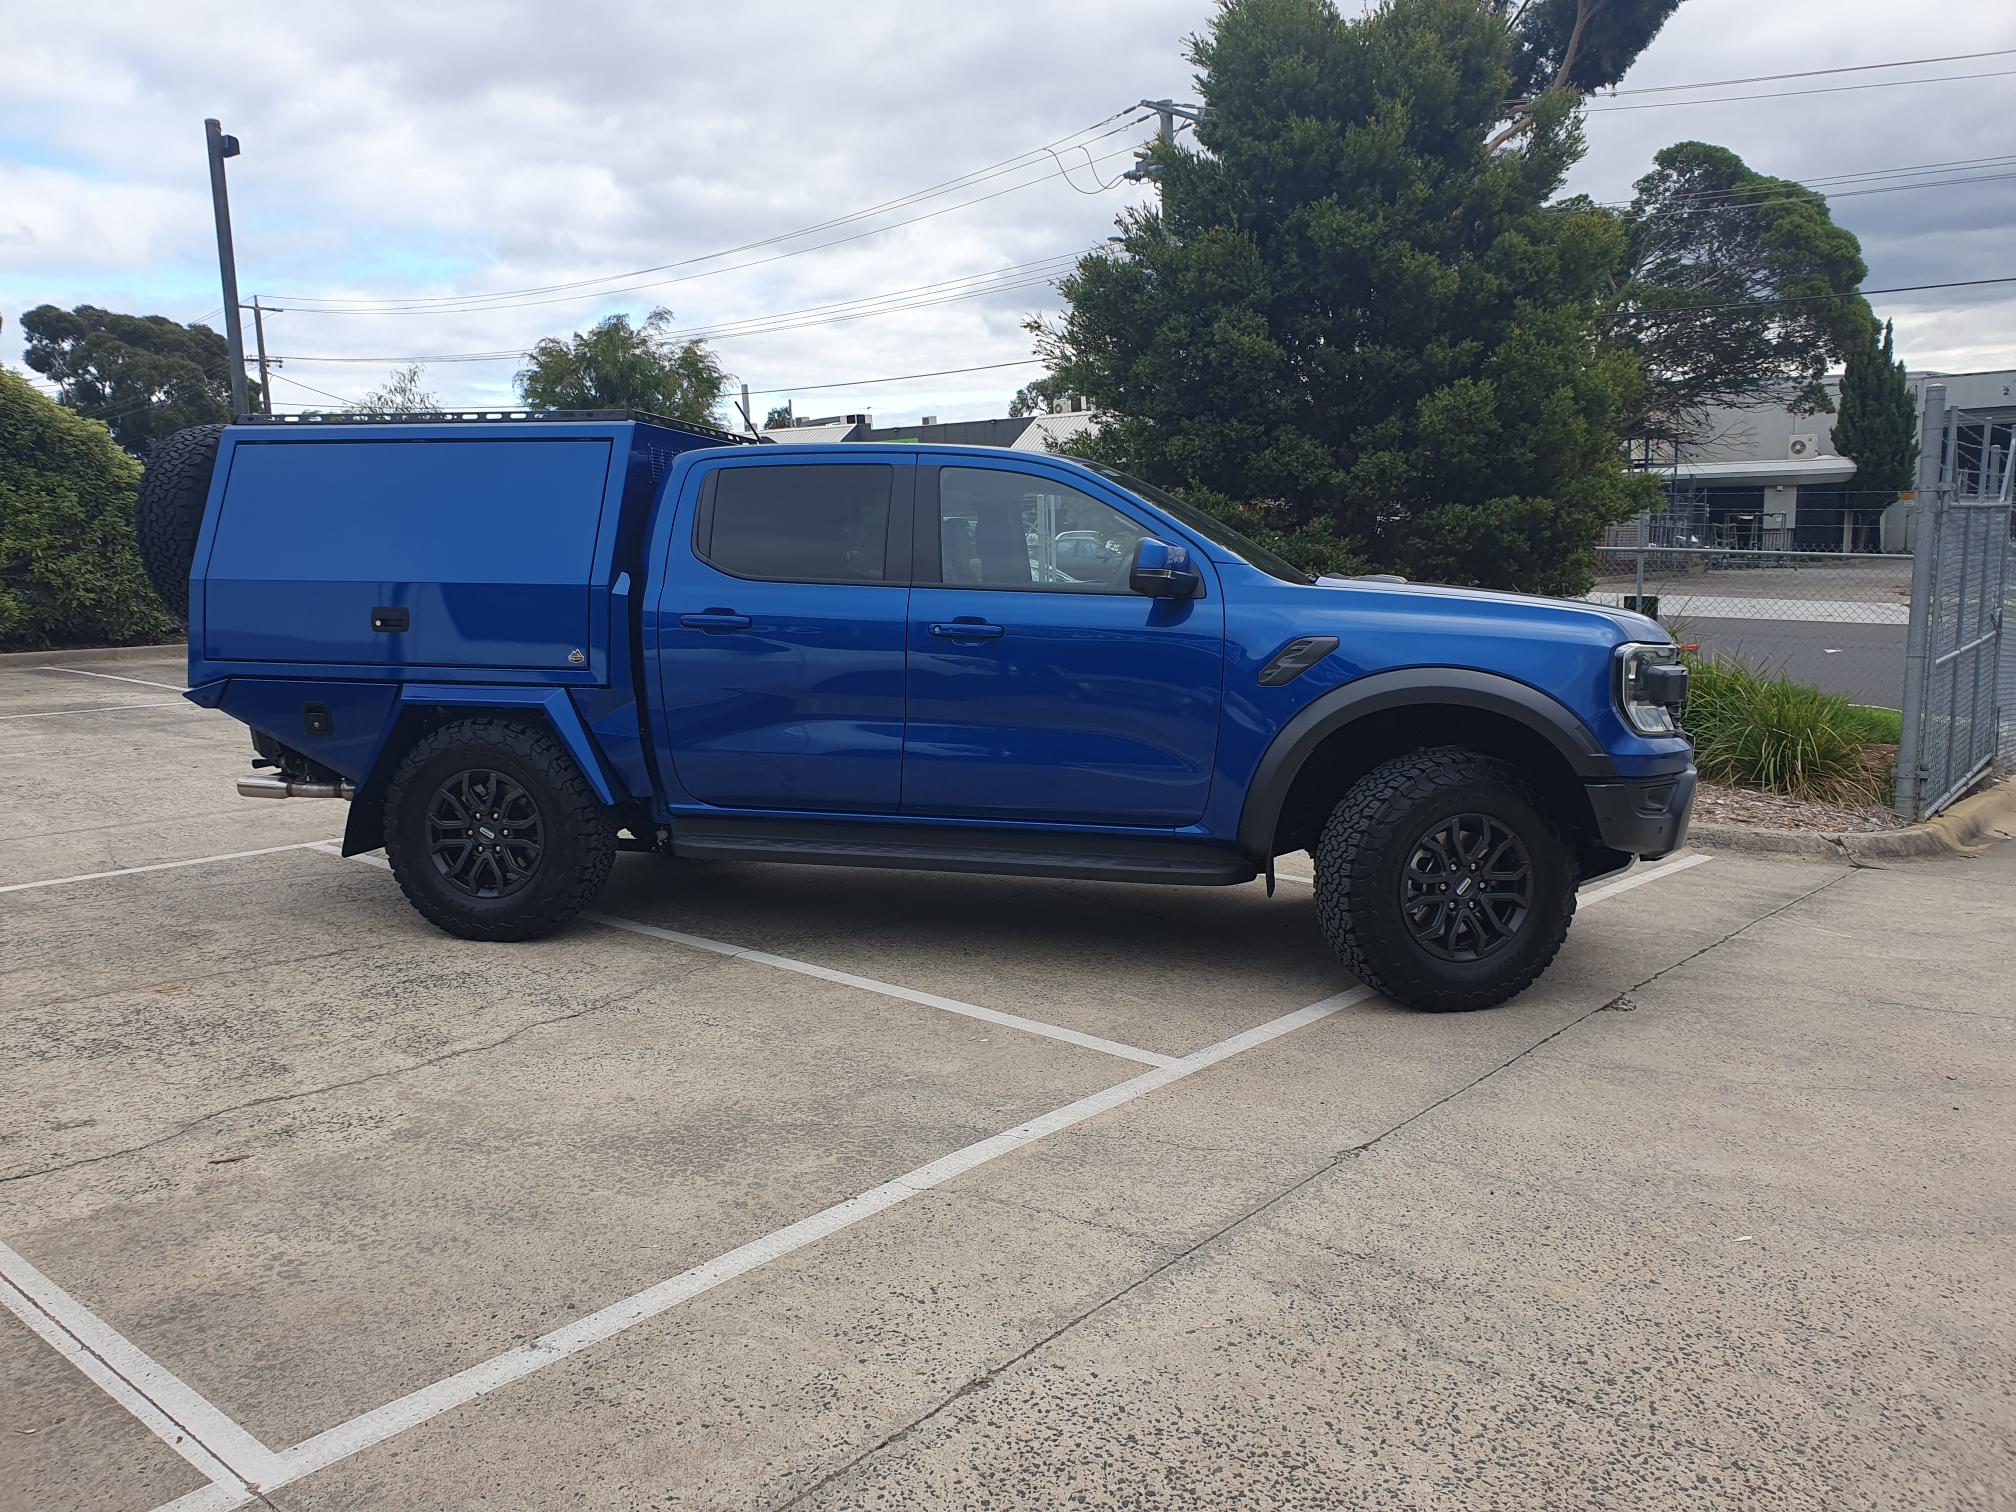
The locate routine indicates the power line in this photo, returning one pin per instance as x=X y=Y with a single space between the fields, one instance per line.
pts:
x=1821 y=183
x=1754 y=199
x=1786 y=94
x=493 y=298
x=1040 y=273
x=985 y=367
x=347 y=403
x=1766 y=304
x=1814 y=73
x=758 y=262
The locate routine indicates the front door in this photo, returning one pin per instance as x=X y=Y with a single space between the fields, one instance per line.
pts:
x=780 y=630
x=1041 y=688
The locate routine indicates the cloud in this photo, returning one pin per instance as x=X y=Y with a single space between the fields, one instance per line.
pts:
x=398 y=150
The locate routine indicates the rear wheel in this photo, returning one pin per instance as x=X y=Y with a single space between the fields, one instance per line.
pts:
x=492 y=831
x=1442 y=882
x=169 y=512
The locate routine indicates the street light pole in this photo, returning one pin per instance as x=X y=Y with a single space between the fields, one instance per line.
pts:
x=222 y=147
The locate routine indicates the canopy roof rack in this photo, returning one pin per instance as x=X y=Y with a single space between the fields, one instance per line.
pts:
x=465 y=417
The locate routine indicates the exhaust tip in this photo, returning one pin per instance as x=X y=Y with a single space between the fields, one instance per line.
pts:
x=280 y=787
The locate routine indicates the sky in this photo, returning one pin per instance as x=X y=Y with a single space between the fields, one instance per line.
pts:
x=399 y=161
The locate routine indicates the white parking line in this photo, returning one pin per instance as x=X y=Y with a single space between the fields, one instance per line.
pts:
x=133 y=871
x=241 y=1466
x=1593 y=895
x=890 y=989
x=396 y=1417
x=114 y=677
x=866 y=984
x=1639 y=879
x=152 y=703
x=177 y=1414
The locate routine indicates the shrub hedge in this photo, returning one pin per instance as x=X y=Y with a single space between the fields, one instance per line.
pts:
x=1773 y=733
x=69 y=572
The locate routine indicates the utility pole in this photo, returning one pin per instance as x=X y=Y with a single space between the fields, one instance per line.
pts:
x=222 y=147
x=1169 y=112
x=259 y=338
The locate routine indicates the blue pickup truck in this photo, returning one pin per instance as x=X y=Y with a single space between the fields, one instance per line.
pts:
x=520 y=643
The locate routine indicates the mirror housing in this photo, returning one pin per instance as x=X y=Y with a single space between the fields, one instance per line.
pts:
x=1163 y=571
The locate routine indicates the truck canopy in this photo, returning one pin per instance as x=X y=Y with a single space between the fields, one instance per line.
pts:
x=385 y=544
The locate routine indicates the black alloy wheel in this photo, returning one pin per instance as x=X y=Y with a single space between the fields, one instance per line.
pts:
x=484 y=833
x=1467 y=888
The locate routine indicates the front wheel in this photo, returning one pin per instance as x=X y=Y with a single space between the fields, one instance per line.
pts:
x=492 y=831
x=1441 y=881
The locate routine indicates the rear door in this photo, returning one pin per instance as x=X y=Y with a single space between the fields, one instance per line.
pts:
x=1041 y=687
x=780 y=627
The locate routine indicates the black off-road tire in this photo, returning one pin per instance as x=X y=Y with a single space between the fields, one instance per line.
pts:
x=1366 y=846
x=169 y=513
x=578 y=835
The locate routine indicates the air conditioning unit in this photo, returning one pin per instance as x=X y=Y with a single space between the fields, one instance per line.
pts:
x=1803 y=448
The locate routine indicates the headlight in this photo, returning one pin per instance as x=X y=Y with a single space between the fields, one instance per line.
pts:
x=1651 y=687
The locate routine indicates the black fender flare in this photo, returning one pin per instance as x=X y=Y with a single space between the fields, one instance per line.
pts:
x=1407 y=687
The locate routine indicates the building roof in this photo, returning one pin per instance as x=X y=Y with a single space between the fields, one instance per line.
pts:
x=1797 y=470
x=1054 y=432
x=800 y=435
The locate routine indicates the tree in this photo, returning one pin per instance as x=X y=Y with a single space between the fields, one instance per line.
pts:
x=1578 y=45
x=1740 y=292
x=1352 y=325
x=69 y=572
x=779 y=418
x=1877 y=428
x=1041 y=397
x=616 y=365
x=145 y=376
x=401 y=395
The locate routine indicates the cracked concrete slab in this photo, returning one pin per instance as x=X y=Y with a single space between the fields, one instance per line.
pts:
x=1748 y=1246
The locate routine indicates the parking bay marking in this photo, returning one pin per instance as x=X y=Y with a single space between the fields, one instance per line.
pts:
x=145 y=682
x=1595 y=894
x=416 y=1407
x=174 y=1412
x=133 y=871
x=866 y=984
x=157 y=703
x=237 y=1461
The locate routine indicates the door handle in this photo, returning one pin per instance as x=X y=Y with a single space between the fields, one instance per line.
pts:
x=715 y=620
x=968 y=630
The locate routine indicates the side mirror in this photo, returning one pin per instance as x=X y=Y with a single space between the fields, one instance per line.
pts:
x=1163 y=571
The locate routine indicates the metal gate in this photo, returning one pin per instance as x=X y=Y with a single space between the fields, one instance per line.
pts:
x=1956 y=664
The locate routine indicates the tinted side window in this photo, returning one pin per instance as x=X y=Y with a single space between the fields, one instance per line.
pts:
x=999 y=529
x=805 y=524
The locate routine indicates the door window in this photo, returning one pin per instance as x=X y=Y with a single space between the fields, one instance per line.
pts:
x=1000 y=529
x=798 y=523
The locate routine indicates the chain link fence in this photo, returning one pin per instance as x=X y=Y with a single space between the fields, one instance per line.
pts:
x=1837 y=620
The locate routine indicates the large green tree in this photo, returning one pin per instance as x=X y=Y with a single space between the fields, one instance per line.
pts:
x=145 y=376
x=1740 y=292
x=1351 y=324
x=1877 y=424
x=617 y=365
x=69 y=572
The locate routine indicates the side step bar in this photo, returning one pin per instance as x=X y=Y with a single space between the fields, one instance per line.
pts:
x=1167 y=865
x=280 y=787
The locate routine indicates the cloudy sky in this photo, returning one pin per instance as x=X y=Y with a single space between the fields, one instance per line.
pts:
x=782 y=175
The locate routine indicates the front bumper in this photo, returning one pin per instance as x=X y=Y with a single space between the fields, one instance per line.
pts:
x=1645 y=816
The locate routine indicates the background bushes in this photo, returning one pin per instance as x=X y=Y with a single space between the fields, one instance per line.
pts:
x=69 y=572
